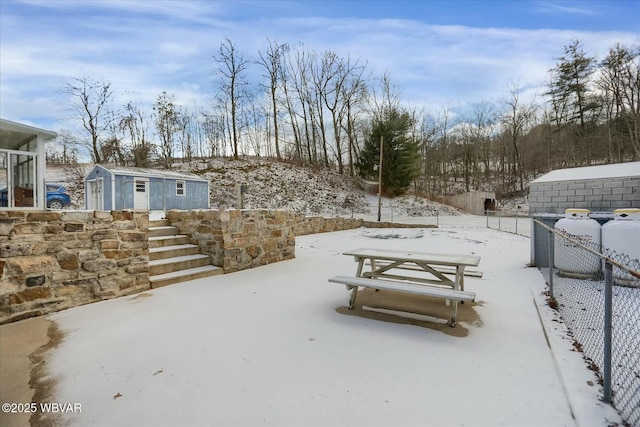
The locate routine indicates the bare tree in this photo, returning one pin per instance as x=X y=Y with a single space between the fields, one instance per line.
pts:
x=272 y=61
x=64 y=150
x=168 y=124
x=384 y=97
x=214 y=133
x=620 y=81
x=484 y=121
x=231 y=68
x=298 y=99
x=342 y=81
x=112 y=149
x=355 y=95
x=445 y=168
x=90 y=102
x=135 y=124
x=186 y=133
x=516 y=121
x=320 y=75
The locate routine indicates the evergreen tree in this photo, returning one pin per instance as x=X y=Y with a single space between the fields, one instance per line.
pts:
x=399 y=154
x=575 y=106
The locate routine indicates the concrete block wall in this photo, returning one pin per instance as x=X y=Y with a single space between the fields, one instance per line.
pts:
x=50 y=261
x=597 y=195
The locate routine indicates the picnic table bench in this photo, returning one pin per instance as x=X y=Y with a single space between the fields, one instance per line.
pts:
x=428 y=275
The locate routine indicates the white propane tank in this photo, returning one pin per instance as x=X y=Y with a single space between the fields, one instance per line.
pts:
x=569 y=258
x=621 y=240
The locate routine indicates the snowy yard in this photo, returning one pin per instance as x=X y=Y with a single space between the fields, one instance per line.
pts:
x=275 y=346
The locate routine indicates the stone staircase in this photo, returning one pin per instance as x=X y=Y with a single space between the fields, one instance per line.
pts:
x=172 y=259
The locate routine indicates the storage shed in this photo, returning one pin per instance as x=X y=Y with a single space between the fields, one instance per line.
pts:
x=601 y=188
x=116 y=188
x=475 y=202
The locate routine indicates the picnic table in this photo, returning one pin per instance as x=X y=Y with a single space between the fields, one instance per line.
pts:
x=430 y=274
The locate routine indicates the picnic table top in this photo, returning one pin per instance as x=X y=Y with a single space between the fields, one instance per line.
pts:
x=413 y=256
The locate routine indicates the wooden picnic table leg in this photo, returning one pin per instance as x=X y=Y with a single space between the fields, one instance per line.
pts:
x=459 y=278
x=459 y=285
x=360 y=265
x=352 y=300
x=354 y=289
x=455 y=313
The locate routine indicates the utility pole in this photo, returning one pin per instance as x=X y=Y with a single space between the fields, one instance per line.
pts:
x=380 y=180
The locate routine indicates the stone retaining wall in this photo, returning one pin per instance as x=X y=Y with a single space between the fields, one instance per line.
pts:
x=239 y=239
x=314 y=224
x=55 y=260
x=50 y=261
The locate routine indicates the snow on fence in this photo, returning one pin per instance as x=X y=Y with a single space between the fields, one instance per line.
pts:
x=597 y=294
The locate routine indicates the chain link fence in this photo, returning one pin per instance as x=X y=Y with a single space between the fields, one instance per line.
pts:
x=511 y=222
x=439 y=216
x=597 y=293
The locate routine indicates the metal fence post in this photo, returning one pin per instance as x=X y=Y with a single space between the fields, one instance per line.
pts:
x=516 y=222
x=608 y=306
x=551 y=258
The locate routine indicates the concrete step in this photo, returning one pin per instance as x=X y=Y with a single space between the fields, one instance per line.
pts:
x=184 y=275
x=169 y=265
x=173 y=259
x=172 y=251
x=161 y=241
x=163 y=230
x=158 y=223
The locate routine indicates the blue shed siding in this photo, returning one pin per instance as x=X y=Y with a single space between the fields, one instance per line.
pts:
x=163 y=195
x=124 y=192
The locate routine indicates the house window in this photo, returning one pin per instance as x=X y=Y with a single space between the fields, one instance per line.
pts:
x=180 y=188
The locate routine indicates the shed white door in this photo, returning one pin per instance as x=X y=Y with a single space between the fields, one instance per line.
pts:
x=141 y=194
x=96 y=196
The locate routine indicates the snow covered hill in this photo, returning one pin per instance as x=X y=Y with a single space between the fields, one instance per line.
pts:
x=276 y=185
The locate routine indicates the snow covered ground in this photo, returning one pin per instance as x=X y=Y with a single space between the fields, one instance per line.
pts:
x=275 y=346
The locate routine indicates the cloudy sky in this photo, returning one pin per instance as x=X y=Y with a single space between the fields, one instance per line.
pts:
x=440 y=54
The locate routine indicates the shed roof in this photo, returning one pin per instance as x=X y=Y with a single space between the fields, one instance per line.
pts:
x=616 y=170
x=153 y=173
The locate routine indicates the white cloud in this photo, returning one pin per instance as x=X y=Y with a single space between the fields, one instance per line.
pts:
x=573 y=8
x=145 y=47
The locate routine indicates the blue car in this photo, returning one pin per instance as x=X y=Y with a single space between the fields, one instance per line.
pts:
x=57 y=197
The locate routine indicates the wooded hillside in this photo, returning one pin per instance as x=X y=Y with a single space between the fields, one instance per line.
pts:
x=292 y=103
